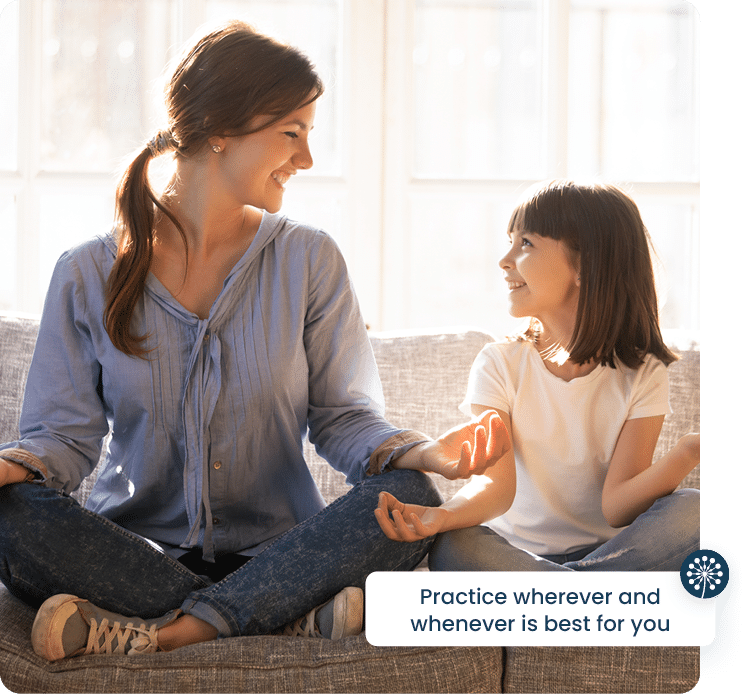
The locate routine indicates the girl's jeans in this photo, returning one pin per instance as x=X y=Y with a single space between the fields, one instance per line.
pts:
x=49 y=544
x=658 y=540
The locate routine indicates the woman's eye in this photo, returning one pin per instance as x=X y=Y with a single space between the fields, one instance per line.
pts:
x=292 y=134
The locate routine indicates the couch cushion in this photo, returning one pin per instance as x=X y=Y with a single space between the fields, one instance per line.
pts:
x=601 y=669
x=17 y=340
x=246 y=664
x=684 y=397
x=424 y=378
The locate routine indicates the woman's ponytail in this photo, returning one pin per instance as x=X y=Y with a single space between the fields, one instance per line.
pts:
x=135 y=208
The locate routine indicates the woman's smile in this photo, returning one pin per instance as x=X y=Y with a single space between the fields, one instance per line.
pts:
x=281 y=178
x=512 y=285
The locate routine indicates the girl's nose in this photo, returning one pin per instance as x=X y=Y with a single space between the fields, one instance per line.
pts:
x=505 y=262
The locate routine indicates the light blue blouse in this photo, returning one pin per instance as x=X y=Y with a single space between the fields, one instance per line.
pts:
x=206 y=433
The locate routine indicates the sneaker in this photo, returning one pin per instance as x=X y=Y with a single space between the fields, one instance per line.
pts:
x=341 y=616
x=68 y=626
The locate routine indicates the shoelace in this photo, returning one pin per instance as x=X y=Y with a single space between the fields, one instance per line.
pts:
x=141 y=640
x=304 y=626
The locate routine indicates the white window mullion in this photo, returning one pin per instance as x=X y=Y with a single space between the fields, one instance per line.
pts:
x=29 y=128
x=362 y=47
x=698 y=74
x=187 y=15
x=556 y=22
x=398 y=159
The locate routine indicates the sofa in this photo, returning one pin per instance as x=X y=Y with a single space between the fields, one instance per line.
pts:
x=424 y=376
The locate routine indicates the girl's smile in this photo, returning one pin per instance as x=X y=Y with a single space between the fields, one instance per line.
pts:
x=541 y=278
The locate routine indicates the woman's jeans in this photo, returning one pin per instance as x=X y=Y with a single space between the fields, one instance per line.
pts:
x=49 y=544
x=658 y=540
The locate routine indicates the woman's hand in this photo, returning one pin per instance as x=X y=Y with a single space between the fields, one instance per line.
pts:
x=10 y=472
x=466 y=450
x=408 y=522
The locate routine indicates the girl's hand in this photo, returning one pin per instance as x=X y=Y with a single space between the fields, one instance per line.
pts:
x=688 y=447
x=408 y=522
x=466 y=450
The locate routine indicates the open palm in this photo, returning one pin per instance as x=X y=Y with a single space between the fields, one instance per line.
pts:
x=468 y=449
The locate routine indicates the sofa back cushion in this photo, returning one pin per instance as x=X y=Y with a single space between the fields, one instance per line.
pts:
x=424 y=376
x=17 y=340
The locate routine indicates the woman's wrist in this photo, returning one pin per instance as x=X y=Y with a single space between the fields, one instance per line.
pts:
x=412 y=459
x=12 y=472
x=406 y=439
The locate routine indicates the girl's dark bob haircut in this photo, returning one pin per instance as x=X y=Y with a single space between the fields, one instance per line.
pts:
x=617 y=312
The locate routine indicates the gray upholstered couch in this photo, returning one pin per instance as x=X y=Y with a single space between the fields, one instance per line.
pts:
x=424 y=376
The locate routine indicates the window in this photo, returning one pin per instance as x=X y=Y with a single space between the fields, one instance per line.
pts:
x=437 y=114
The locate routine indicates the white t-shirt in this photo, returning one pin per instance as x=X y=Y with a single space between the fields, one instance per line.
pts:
x=564 y=434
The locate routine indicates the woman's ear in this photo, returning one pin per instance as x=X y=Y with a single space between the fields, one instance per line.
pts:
x=217 y=144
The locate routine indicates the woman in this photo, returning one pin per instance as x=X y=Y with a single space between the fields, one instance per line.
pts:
x=208 y=333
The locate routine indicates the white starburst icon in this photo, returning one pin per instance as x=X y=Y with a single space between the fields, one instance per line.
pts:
x=704 y=573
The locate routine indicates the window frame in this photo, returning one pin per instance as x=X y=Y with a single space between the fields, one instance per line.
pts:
x=375 y=40
x=399 y=183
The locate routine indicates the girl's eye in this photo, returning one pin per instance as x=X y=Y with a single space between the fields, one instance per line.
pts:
x=525 y=242
x=292 y=134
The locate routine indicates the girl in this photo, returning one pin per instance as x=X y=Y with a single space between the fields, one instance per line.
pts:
x=583 y=392
x=208 y=334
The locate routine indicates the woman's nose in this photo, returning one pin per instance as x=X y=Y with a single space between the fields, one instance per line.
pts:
x=302 y=159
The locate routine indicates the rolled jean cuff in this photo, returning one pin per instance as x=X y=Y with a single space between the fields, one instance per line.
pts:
x=203 y=611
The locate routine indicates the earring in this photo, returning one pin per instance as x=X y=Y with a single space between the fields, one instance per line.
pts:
x=216 y=148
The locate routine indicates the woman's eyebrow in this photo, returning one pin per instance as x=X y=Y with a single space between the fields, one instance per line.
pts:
x=300 y=123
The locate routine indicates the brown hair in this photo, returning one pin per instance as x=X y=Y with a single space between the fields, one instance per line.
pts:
x=228 y=77
x=617 y=312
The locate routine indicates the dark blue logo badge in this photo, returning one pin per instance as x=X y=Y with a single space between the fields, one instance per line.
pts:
x=704 y=573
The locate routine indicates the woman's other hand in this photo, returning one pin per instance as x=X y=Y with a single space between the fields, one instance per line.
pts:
x=408 y=522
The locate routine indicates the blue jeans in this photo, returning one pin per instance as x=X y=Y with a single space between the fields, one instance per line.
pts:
x=49 y=544
x=658 y=540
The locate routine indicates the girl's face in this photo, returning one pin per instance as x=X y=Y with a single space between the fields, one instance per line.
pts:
x=542 y=279
x=256 y=167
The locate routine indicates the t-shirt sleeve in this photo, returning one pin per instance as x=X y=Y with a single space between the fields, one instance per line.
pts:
x=487 y=382
x=650 y=391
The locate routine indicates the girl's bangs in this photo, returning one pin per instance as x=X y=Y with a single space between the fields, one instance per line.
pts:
x=540 y=214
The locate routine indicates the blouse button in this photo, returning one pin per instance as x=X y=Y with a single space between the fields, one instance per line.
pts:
x=217 y=465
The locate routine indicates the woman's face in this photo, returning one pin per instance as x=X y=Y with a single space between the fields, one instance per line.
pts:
x=256 y=167
x=541 y=278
